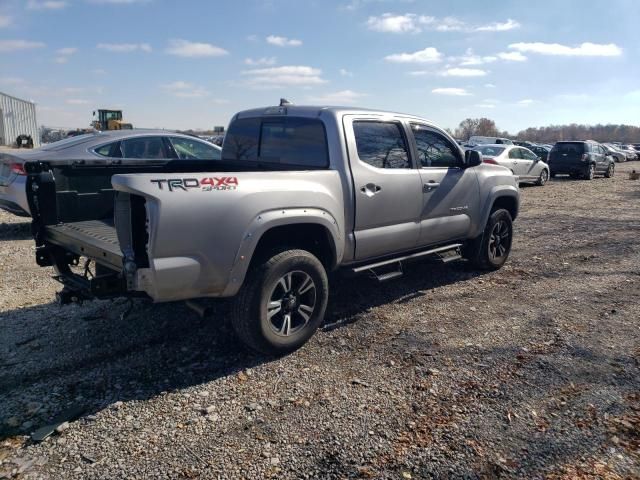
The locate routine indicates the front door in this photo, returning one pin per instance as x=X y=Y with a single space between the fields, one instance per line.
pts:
x=388 y=189
x=451 y=195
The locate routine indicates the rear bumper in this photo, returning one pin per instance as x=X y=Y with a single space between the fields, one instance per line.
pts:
x=13 y=197
x=569 y=168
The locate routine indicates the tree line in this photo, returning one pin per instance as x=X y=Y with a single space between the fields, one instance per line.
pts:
x=550 y=134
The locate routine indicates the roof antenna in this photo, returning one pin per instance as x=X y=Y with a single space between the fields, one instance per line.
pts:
x=284 y=102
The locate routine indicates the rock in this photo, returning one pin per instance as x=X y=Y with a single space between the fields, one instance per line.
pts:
x=252 y=407
x=62 y=427
x=27 y=425
x=274 y=461
x=13 y=421
x=209 y=410
x=118 y=405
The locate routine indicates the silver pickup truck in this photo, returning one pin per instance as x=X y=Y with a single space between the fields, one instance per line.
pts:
x=299 y=192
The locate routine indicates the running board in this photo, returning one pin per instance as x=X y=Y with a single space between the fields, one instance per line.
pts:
x=447 y=253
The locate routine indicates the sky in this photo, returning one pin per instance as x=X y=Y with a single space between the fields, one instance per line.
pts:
x=194 y=63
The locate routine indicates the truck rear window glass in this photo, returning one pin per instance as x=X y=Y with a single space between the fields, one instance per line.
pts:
x=381 y=144
x=284 y=140
x=569 y=147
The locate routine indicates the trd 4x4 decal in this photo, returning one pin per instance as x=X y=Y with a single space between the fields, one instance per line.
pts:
x=206 y=184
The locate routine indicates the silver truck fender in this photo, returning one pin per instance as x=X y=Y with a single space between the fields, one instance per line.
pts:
x=270 y=219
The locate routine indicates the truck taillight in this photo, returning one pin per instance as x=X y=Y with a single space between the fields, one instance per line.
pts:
x=18 y=169
x=489 y=160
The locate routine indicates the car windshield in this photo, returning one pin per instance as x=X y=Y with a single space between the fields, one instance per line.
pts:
x=490 y=150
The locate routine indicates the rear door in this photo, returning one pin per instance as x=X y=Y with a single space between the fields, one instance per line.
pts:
x=528 y=163
x=388 y=189
x=450 y=192
x=513 y=156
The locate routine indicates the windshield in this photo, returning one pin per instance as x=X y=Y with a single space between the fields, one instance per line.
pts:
x=490 y=150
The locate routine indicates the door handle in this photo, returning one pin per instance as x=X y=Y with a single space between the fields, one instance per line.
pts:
x=370 y=189
x=427 y=187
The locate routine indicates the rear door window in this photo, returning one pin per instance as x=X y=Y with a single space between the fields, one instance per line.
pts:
x=144 y=147
x=111 y=150
x=381 y=144
x=514 y=153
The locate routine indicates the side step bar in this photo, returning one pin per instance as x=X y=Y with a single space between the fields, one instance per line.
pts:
x=447 y=253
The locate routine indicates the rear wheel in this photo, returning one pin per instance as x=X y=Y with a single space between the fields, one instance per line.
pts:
x=542 y=179
x=491 y=250
x=610 y=171
x=590 y=173
x=282 y=302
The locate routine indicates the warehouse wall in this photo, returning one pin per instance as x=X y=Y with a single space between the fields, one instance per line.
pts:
x=17 y=117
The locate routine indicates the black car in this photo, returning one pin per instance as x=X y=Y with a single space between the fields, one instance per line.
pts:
x=584 y=159
x=541 y=152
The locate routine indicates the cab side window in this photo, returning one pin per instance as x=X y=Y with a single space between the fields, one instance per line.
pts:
x=381 y=144
x=434 y=150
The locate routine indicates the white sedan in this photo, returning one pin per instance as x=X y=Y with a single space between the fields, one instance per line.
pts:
x=524 y=164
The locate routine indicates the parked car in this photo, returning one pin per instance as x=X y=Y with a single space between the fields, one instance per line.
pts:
x=632 y=153
x=584 y=159
x=299 y=192
x=522 y=162
x=480 y=140
x=542 y=151
x=122 y=150
x=617 y=154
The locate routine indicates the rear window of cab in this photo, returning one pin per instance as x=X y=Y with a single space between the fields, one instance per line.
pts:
x=293 y=141
x=570 y=147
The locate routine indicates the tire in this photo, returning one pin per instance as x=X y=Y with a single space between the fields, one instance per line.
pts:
x=542 y=179
x=275 y=289
x=590 y=173
x=610 y=171
x=481 y=251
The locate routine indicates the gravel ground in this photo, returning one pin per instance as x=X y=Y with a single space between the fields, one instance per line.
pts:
x=528 y=372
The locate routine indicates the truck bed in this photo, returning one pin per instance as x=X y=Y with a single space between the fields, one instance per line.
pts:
x=96 y=239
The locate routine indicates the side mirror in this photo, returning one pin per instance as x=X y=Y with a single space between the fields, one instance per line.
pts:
x=472 y=158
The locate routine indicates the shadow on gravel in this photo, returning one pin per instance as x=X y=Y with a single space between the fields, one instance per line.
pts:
x=15 y=231
x=93 y=355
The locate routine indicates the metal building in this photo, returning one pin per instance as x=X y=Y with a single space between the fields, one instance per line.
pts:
x=17 y=117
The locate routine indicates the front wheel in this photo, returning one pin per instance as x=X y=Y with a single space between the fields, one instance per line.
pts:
x=491 y=250
x=542 y=179
x=610 y=171
x=282 y=302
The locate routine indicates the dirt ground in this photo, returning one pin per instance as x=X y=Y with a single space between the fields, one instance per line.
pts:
x=529 y=372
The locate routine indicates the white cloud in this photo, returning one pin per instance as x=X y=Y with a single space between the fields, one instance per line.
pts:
x=66 y=51
x=124 y=47
x=344 y=97
x=260 y=61
x=390 y=23
x=485 y=105
x=489 y=85
x=586 y=49
x=449 y=24
x=512 y=56
x=182 y=89
x=99 y=71
x=456 y=92
x=77 y=101
x=119 y=2
x=46 y=4
x=293 y=76
x=463 y=72
x=16 y=45
x=499 y=26
x=283 y=41
x=471 y=59
x=185 y=48
x=346 y=73
x=428 y=55
x=5 y=21
x=61 y=60
x=525 y=103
